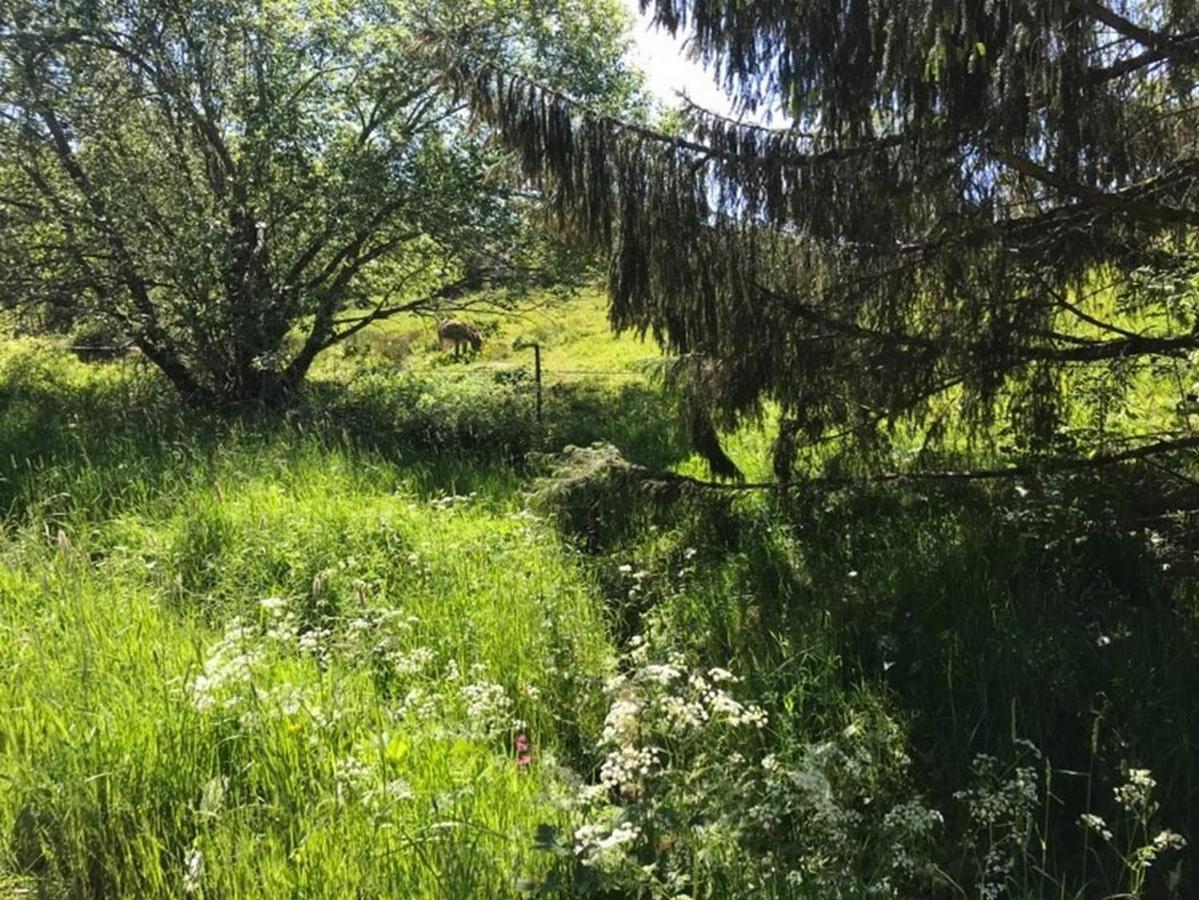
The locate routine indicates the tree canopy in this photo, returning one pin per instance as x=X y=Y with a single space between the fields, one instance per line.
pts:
x=972 y=213
x=235 y=187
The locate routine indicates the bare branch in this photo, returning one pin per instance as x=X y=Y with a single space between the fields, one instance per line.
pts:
x=1045 y=467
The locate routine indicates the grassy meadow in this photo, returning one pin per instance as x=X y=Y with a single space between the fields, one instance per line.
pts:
x=369 y=646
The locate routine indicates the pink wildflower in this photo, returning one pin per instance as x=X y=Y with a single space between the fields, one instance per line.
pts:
x=524 y=755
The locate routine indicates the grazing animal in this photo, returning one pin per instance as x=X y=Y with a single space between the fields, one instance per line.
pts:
x=459 y=333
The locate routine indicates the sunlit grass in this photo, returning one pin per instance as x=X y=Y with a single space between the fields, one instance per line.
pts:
x=292 y=655
x=107 y=760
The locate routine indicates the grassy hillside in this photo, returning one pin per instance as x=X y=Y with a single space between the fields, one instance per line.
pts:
x=365 y=648
x=573 y=335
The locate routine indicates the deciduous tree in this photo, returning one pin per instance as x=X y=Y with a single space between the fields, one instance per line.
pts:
x=237 y=186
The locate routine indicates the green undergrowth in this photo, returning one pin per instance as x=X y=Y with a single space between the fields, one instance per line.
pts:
x=271 y=661
x=374 y=644
x=979 y=667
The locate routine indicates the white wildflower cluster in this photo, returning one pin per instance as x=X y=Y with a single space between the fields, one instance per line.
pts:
x=736 y=713
x=685 y=701
x=418 y=705
x=1164 y=841
x=316 y=642
x=1168 y=840
x=819 y=800
x=1135 y=795
x=625 y=768
x=1001 y=805
x=235 y=676
x=411 y=662
x=361 y=782
x=998 y=801
x=635 y=578
x=282 y=625
x=682 y=714
x=912 y=827
x=488 y=708
x=433 y=692
x=228 y=672
x=351 y=771
x=659 y=673
x=658 y=711
x=659 y=702
x=621 y=722
x=913 y=817
x=236 y=669
x=1095 y=823
x=599 y=846
x=682 y=765
x=301 y=704
x=383 y=635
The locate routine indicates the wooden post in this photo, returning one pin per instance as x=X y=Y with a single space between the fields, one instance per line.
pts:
x=537 y=378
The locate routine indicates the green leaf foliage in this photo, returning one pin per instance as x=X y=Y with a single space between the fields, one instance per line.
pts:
x=236 y=187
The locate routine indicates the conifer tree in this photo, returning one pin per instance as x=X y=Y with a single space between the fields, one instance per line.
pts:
x=972 y=213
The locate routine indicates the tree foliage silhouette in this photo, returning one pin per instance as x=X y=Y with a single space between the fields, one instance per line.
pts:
x=975 y=214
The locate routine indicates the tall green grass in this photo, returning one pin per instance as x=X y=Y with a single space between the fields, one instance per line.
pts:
x=299 y=654
x=135 y=534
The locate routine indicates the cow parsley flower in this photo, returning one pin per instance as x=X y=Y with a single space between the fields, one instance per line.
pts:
x=1168 y=840
x=1134 y=796
x=488 y=707
x=1095 y=823
x=621 y=720
x=596 y=844
x=193 y=871
x=662 y=673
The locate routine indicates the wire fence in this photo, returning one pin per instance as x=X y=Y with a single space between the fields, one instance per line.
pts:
x=543 y=376
x=600 y=372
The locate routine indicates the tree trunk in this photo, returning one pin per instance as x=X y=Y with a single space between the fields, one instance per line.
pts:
x=193 y=393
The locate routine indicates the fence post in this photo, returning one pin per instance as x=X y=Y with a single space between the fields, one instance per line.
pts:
x=537 y=378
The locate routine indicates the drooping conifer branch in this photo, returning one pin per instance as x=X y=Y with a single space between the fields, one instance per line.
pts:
x=942 y=186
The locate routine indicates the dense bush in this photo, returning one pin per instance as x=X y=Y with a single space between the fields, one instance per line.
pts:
x=1019 y=648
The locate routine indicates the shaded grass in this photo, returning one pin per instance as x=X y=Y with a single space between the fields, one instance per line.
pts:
x=972 y=615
